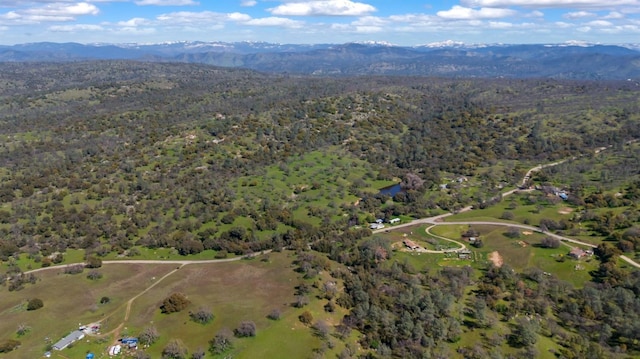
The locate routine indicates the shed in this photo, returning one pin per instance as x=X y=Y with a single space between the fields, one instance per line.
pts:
x=394 y=220
x=66 y=341
x=411 y=244
x=577 y=253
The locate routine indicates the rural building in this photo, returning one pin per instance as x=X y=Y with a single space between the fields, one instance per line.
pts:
x=464 y=254
x=376 y=226
x=394 y=220
x=411 y=244
x=66 y=341
x=577 y=253
x=132 y=343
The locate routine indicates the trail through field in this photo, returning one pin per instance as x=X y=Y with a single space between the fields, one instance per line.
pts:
x=117 y=330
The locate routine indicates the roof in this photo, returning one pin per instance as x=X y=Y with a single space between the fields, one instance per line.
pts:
x=411 y=244
x=577 y=252
x=66 y=341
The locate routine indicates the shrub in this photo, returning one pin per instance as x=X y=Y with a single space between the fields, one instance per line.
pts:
x=174 y=303
x=94 y=275
x=174 y=350
x=35 y=304
x=246 y=329
x=8 y=345
x=105 y=300
x=202 y=316
x=74 y=269
x=507 y=215
x=306 y=318
x=149 y=335
x=550 y=242
x=275 y=314
x=93 y=262
x=221 y=342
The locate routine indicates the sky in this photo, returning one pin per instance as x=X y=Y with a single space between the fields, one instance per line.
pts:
x=399 y=22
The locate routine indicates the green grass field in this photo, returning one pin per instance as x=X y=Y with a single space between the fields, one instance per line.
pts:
x=234 y=291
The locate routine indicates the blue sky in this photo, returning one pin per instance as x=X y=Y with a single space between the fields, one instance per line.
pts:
x=401 y=22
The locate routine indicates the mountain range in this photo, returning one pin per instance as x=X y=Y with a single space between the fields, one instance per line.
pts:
x=446 y=59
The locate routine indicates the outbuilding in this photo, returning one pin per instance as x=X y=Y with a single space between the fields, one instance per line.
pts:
x=66 y=341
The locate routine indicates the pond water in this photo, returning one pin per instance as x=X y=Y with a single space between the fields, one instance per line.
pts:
x=391 y=190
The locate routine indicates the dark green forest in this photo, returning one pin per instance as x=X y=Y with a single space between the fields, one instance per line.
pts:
x=116 y=156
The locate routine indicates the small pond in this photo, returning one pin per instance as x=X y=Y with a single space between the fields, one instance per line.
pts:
x=391 y=190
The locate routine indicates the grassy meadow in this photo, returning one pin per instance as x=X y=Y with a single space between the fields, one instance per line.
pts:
x=233 y=291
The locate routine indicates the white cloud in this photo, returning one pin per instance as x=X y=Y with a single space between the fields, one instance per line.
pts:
x=562 y=24
x=136 y=21
x=370 y=21
x=248 y=3
x=275 y=21
x=62 y=9
x=369 y=29
x=323 y=8
x=464 y=13
x=237 y=16
x=54 y=12
x=500 y=25
x=614 y=15
x=600 y=23
x=76 y=27
x=204 y=17
x=166 y=2
x=580 y=4
x=578 y=15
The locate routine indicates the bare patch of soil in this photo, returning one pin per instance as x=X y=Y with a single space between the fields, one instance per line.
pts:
x=496 y=259
x=565 y=210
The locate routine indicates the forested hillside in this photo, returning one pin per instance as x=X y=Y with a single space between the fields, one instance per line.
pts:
x=117 y=156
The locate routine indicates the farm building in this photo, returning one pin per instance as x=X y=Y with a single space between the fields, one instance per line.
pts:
x=132 y=343
x=66 y=341
x=394 y=220
x=376 y=226
x=577 y=253
x=464 y=254
x=411 y=244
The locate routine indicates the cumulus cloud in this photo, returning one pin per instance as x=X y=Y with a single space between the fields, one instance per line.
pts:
x=500 y=25
x=62 y=9
x=464 y=13
x=370 y=21
x=75 y=27
x=369 y=29
x=166 y=2
x=579 y=4
x=323 y=8
x=204 y=17
x=275 y=21
x=614 y=15
x=578 y=15
x=54 y=12
x=136 y=21
x=600 y=23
